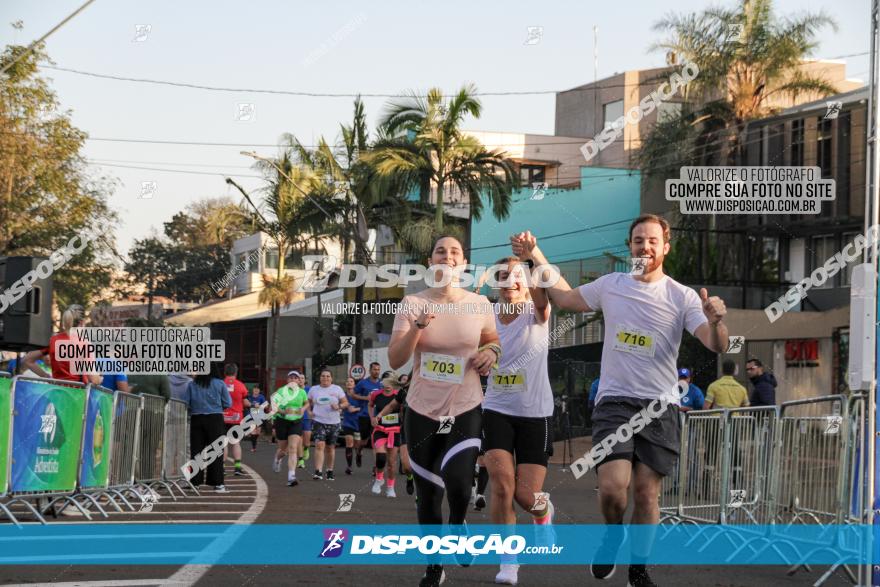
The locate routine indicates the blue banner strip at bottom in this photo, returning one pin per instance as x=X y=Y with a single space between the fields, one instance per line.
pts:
x=568 y=544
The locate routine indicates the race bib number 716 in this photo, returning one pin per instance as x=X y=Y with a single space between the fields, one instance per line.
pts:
x=637 y=342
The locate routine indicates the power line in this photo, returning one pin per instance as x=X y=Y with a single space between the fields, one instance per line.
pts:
x=44 y=37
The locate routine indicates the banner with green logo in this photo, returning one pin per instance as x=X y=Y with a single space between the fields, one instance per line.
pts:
x=47 y=434
x=5 y=418
x=95 y=470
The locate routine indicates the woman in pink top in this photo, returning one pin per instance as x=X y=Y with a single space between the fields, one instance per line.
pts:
x=450 y=335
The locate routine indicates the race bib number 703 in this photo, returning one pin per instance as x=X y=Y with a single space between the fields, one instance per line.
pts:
x=443 y=368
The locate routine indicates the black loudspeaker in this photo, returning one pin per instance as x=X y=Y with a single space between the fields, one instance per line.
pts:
x=25 y=303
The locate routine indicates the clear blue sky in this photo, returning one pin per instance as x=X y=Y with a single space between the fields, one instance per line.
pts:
x=390 y=46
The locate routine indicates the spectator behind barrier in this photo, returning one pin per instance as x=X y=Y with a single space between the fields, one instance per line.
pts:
x=71 y=318
x=153 y=385
x=207 y=398
x=763 y=384
x=726 y=392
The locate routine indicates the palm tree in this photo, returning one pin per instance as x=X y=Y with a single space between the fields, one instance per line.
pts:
x=422 y=147
x=747 y=58
x=295 y=218
x=739 y=79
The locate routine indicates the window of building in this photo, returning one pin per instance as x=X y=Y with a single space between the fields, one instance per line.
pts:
x=272 y=259
x=797 y=143
x=823 y=146
x=775 y=144
x=611 y=112
x=668 y=111
x=530 y=174
x=823 y=248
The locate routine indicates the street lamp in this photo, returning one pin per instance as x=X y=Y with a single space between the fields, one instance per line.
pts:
x=258 y=157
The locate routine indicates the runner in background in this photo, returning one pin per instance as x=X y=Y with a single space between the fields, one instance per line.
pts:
x=257 y=400
x=362 y=392
x=350 y=426
x=386 y=433
x=290 y=403
x=518 y=407
x=398 y=404
x=234 y=414
x=306 y=425
x=327 y=402
x=450 y=349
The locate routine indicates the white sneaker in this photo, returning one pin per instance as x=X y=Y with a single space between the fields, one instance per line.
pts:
x=276 y=466
x=507 y=575
x=220 y=489
x=389 y=491
x=377 y=486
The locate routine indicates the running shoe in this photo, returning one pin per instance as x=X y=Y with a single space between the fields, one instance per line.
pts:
x=389 y=491
x=357 y=459
x=607 y=552
x=348 y=470
x=276 y=465
x=479 y=502
x=507 y=575
x=301 y=464
x=410 y=485
x=329 y=476
x=434 y=576
x=638 y=577
x=239 y=473
x=377 y=486
x=317 y=476
x=220 y=489
x=292 y=482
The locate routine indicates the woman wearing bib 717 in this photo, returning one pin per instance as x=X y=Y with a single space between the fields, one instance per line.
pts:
x=518 y=407
x=450 y=350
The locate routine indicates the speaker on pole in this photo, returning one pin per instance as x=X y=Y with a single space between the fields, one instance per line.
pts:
x=25 y=303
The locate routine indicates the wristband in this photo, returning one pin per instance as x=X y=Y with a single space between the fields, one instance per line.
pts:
x=494 y=347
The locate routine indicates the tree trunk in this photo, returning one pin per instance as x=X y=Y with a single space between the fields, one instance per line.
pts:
x=438 y=213
x=273 y=353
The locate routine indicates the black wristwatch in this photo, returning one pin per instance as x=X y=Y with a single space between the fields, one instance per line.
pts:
x=530 y=263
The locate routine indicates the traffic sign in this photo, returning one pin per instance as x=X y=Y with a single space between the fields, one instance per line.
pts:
x=357 y=372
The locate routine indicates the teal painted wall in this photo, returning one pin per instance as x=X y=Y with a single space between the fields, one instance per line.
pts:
x=570 y=224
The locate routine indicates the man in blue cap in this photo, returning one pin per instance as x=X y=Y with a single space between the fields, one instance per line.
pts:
x=694 y=398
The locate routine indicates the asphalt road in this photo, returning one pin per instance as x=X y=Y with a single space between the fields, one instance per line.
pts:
x=264 y=498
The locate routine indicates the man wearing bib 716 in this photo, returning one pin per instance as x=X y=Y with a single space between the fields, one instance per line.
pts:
x=644 y=318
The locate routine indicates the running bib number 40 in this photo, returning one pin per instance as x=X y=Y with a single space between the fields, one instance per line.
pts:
x=637 y=342
x=444 y=368
x=509 y=381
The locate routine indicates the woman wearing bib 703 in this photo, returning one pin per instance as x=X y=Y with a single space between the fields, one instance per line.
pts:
x=450 y=335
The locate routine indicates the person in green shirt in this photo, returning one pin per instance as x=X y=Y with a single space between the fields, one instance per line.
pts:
x=727 y=391
x=289 y=403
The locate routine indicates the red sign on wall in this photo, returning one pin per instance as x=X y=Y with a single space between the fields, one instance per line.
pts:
x=802 y=353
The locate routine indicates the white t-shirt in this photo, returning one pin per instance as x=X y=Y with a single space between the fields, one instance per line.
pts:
x=323 y=398
x=643 y=324
x=521 y=386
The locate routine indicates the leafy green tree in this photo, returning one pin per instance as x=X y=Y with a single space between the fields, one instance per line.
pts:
x=46 y=195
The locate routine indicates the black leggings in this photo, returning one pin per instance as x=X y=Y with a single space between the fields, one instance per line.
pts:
x=204 y=429
x=427 y=453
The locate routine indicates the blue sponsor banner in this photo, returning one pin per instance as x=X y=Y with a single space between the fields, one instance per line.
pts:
x=568 y=544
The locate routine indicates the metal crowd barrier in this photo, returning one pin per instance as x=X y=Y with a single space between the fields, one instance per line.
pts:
x=124 y=446
x=152 y=445
x=127 y=410
x=176 y=453
x=770 y=467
